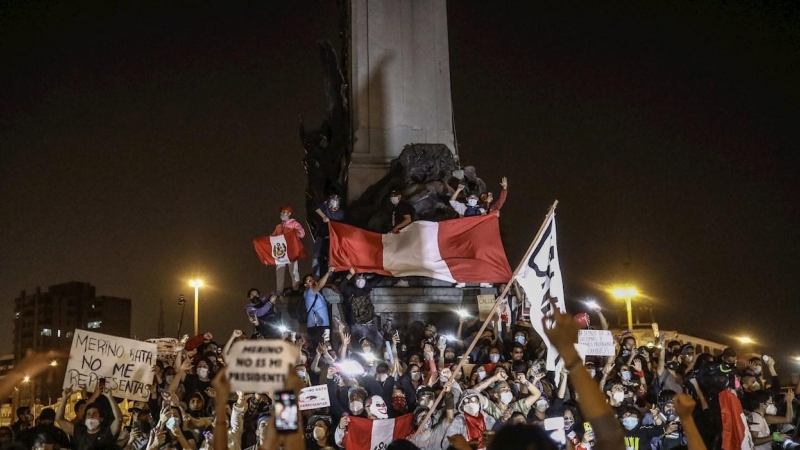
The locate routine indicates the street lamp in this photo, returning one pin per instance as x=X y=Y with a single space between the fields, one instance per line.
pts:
x=196 y=284
x=626 y=293
x=745 y=340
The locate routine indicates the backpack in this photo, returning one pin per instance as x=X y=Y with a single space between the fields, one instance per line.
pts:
x=362 y=308
x=298 y=310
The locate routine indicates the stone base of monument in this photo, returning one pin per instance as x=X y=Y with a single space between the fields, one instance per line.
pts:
x=425 y=300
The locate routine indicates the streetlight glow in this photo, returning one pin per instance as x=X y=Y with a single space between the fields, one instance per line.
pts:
x=27 y=379
x=626 y=293
x=196 y=284
x=622 y=293
x=53 y=363
x=745 y=340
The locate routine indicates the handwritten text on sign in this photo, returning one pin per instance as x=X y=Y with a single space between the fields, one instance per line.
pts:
x=260 y=366
x=599 y=342
x=127 y=365
x=314 y=397
x=485 y=305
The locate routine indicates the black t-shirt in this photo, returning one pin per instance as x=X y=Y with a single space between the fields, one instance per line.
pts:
x=399 y=212
x=83 y=440
x=192 y=383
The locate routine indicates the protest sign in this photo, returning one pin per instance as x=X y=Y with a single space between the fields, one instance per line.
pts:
x=599 y=342
x=314 y=397
x=485 y=305
x=126 y=364
x=167 y=348
x=260 y=366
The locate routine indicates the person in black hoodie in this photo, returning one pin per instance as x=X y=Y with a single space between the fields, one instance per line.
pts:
x=359 y=312
x=638 y=436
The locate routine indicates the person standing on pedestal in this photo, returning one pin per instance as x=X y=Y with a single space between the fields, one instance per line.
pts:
x=359 y=312
x=327 y=211
x=288 y=224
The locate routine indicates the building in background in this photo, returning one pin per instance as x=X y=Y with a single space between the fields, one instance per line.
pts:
x=45 y=321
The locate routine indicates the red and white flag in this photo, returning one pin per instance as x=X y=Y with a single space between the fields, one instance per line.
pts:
x=465 y=250
x=368 y=434
x=279 y=250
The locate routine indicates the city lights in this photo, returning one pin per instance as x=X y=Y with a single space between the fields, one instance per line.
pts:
x=745 y=340
x=196 y=284
x=626 y=293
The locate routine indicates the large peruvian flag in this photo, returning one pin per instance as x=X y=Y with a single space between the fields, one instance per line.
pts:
x=279 y=250
x=368 y=434
x=465 y=250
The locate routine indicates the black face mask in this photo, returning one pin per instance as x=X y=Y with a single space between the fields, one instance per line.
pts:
x=673 y=365
x=256 y=301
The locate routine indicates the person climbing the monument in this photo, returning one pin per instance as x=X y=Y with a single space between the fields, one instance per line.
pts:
x=473 y=206
x=402 y=212
x=288 y=224
x=327 y=211
x=316 y=306
x=486 y=200
x=359 y=312
x=262 y=313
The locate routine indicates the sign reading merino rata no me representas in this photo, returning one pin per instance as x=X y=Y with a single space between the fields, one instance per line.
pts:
x=599 y=342
x=126 y=364
x=261 y=365
x=314 y=397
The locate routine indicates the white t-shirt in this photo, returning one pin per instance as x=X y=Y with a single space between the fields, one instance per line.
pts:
x=759 y=429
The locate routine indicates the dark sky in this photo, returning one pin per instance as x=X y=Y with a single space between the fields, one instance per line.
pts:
x=144 y=143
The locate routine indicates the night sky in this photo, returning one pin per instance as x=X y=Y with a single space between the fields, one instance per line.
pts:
x=145 y=143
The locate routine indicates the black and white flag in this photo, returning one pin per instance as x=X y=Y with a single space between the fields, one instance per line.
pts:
x=540 y=277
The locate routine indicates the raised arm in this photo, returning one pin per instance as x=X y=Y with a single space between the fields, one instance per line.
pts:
x=499 y=376
x=456 y=192
x=533 y=392
x=234 y=336
x=222 y=387
x=563 y=334
x=345 y=344
x=684 y=405
x=65 y=424
x=179 y=377
x=662 y=355
x=322 y=281
x=116 y=425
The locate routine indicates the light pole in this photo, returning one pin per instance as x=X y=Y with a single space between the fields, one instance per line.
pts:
x=626 y=293
x=196 y=284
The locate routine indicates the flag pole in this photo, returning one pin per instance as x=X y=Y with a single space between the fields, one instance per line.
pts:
x=500 y=297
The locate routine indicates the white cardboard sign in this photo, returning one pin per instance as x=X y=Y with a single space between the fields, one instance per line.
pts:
x=599 y=342
x=314 y=397
x=126 y=364
x=261 y=365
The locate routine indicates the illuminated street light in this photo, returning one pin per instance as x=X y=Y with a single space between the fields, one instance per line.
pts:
x=626 y=293
x=196 y=284
x=53 y=363
x=27 y=379
x=745 y=340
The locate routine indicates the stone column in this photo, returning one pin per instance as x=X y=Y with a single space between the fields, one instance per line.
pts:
x=400 y=83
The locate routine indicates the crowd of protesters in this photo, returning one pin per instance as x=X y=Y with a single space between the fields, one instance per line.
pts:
x=661 y=396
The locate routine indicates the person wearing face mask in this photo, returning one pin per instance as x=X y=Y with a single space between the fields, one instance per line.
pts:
x=615 y=392
x=359 y=312
x=94 y=431
x=319 y=433
x=401 y=214
x=329 y=210
x=763 y=413
x=409 y=382
x=638 y=436
x=263 y=314
x=667 y=370
x=471 y=423
x=199 y=381
x=288 y=225
x=470 y=207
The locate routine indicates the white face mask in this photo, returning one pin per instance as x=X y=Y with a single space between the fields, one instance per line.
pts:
x=301 y=374
x=202 y=372
x=416 y=376
x=284 y=217
x=626 y=375
x=520 y=340
x=506 y=397
x=592 y=373
x=541 y=405
x=334 y=204
x=382 y=377
x=360 y=283
x=494 y=357
x=771 y=410
x=356 y=407
x=618 y=397
x=481 y=375
x=395 y=200
x=472 y=201
x=92 y=424
x=472 y=409
x=319 y=433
